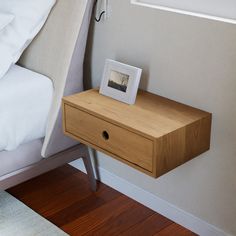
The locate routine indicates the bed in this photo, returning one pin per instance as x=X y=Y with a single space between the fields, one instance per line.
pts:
x=24 y=156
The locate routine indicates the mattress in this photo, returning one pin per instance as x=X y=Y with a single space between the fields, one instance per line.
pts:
x=25 y=101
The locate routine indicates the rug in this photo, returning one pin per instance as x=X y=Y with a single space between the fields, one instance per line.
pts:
x=16 y=219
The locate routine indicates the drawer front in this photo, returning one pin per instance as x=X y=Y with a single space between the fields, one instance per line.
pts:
x=114 y=139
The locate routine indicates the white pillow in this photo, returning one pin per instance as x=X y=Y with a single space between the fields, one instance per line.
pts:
x=5 y=19
x=30 y=16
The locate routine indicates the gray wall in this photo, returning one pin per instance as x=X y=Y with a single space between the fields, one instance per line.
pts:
x=191 y=60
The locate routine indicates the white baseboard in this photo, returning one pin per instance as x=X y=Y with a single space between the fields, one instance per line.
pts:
x=155 y=203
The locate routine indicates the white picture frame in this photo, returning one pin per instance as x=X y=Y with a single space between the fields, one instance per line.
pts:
x=120 y=81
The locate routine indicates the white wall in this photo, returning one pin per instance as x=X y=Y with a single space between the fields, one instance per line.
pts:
x=191 y=60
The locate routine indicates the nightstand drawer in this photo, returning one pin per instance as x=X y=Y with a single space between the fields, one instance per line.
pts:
x=118 y=141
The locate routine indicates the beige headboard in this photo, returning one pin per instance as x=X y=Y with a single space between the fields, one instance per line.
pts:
x=58 y=52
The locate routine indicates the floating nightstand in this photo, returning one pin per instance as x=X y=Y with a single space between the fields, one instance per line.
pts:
x=154 y=136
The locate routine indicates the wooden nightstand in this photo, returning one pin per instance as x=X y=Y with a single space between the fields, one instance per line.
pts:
x=154 y=136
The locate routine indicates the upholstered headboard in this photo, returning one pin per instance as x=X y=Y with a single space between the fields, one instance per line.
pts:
x=58 y=52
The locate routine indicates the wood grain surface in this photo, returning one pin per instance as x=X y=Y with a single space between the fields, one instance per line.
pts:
x=119 y=141
x=155 y=135
x=152 y=115
x=63 y=197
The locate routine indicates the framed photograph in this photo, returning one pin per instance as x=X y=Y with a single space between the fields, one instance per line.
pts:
x=120 y=81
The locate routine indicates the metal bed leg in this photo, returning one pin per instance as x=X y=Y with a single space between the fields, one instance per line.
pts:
x=89 y=169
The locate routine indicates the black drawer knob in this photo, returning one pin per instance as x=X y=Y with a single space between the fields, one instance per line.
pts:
x=105 y=135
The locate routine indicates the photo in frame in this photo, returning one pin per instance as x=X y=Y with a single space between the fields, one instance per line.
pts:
x=120 y=81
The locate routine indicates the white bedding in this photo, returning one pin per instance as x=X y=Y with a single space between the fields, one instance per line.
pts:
x=29 y=18
x=25 y=100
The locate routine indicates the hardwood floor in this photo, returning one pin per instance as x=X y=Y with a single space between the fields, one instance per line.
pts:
x=63 y=197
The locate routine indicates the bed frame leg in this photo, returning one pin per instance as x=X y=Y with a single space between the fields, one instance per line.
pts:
x=89 y=169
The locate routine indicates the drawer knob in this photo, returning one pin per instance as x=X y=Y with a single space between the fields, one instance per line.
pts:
x=105 y=135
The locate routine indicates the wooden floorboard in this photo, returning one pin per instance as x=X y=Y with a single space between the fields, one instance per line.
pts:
x=150 y=226
x=63 y=197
